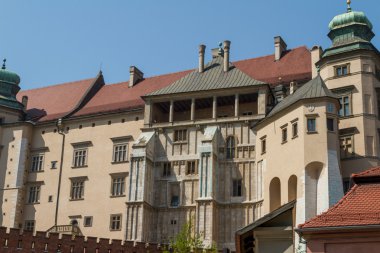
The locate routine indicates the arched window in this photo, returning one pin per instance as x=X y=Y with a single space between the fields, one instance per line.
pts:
x=274 y=194
x=230 y=147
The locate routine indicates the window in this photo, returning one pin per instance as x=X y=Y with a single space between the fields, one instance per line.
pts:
x=311 y=125
x=120 y=152
x=191 y=168
x=295 y=130
x=115 y=222
x=166 y=169
x=34 y=194
x=118 y=186
x=247 y=113
x=77 y=189
x=180 y=135
x=50 y=198
x=342 y=70
x=330 y=124
x=346 y=146
x=87 y=221
x=230 y=147
x=37 y=163
x=344 y=106
x=263 y=146
x=236 y=188
x=29 y=225
x=330 y=108
x=284 y=134
x=80 y=157
x=173 y=222
x=53 y=165
x=174 y=194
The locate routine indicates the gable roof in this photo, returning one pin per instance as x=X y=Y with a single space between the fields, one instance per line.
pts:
x=213 y=78
x=315 y=88
x=359 y=207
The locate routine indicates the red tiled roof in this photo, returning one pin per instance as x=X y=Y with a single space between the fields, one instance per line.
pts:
x=54 y=101
x=360 y=206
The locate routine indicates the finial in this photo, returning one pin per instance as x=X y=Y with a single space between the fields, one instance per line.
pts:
x=221 y=51
x=4 y=61
x=349 y=6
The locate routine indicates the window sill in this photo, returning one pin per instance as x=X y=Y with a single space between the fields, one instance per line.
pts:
x=126 y=161
x=115 y=230
x=117 y=196
x=263 y=153
x=76 y=199
x=180 y=142
x=294 y=137
x=312 y=132
x=284 y=142
x=37 y=171
x=78 y=167
x=33 y=203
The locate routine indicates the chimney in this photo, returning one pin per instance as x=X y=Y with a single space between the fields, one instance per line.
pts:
x=279 y=47
x=201 y=66
x=135 y=76
x=226 y=48
x=293 y=87
x=316 y=54
x=279 y=92
x=24 y=102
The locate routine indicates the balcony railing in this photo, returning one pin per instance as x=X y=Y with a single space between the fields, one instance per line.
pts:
x=65 y=229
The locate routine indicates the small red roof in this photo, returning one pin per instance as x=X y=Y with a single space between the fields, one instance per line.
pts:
x=52 y=102
x=360 y=206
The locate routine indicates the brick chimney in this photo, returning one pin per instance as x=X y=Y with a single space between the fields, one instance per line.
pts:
x=226 y=56
x=135 y=76
x=201 y=66
x=279 y=47
x=316 y=54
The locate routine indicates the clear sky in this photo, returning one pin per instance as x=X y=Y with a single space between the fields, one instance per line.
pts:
x=49 y=42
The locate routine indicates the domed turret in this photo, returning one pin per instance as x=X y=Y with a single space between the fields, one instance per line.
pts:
x=350 y=18
x=9 y=88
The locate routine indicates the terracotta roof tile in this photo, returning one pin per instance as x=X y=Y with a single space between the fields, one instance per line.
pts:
x=360 y=206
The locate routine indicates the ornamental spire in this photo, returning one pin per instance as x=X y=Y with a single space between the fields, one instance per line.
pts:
x=4 y=61
x=349 y=6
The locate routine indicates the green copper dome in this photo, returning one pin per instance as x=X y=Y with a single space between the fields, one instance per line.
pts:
x=9 y=88
x=9 y=77
x=350 y=18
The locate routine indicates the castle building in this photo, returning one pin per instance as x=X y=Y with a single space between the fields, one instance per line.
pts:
x=221 y=145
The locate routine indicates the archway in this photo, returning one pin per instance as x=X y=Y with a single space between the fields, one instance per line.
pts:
x=275 y=194
x=292 y=188
x=312 y=175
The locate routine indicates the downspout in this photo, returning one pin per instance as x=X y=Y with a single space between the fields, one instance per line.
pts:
x=60 y=131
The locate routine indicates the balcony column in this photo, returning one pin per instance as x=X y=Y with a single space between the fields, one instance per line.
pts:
x=192 y=112
x=214 y=107
x=171 y=110
x=236 y=105
x=262 y=101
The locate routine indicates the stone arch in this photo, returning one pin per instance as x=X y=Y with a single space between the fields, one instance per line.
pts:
x=312 y=184
x=292 y=188
x=274 y=194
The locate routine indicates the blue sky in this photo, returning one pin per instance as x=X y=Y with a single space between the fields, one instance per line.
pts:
x=49 y=42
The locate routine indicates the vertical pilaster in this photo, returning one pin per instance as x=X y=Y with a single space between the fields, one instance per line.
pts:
x=171 y=111
x=192 y=113
x=148 y=113
x=262 y=101
x=214 y=107
x=236 y=105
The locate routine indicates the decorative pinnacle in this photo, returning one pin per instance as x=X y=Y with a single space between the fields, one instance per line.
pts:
x=4 y=61
x=349 y=6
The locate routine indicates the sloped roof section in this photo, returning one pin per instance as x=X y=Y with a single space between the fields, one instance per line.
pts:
x=213 y=78
x=315 y=88
x=359 y=207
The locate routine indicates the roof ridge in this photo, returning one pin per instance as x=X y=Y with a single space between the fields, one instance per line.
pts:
x=60 y=84
x=364 y=173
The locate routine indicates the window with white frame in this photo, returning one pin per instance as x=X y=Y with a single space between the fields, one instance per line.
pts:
x=311 y=125
x=80 y=157
x=345 y=105
x=29 y=225
x=87 y=221
x=346 y=146
x=34 y=194
x=342 y=70
x=37 y=163
x=115 y=222
x=120 y=152
x=77 y=189
x=118 y=185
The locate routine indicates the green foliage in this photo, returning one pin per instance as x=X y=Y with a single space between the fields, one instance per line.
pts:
x=187 y=240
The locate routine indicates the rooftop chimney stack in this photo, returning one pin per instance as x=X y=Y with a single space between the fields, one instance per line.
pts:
x=316 y=54
x=226 y=48
x=201 y=58
x=279 y=47
x=135 y=76
x=293 y=87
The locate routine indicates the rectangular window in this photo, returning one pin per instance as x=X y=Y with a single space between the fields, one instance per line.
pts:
x=29 y=225
x=284 y=134
x=80 y=157
x=247 y=113
x=295 y=130
x=115 y=222
x=311 y=125
x=87 y=221
x=180 y=135
x=53 y=165
x=174 y=194
x=341 y=70
x=191 y=168
x=34 y=194
x=263 y=146
x=166 y=169
x=237 y=188
x=330 y=108
x=37 y=163
x=118 y=186
x=120 y=152
x=77 y=189
x=370 y=145
x=330 y=124
x=346 y=146
x=344 y=106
